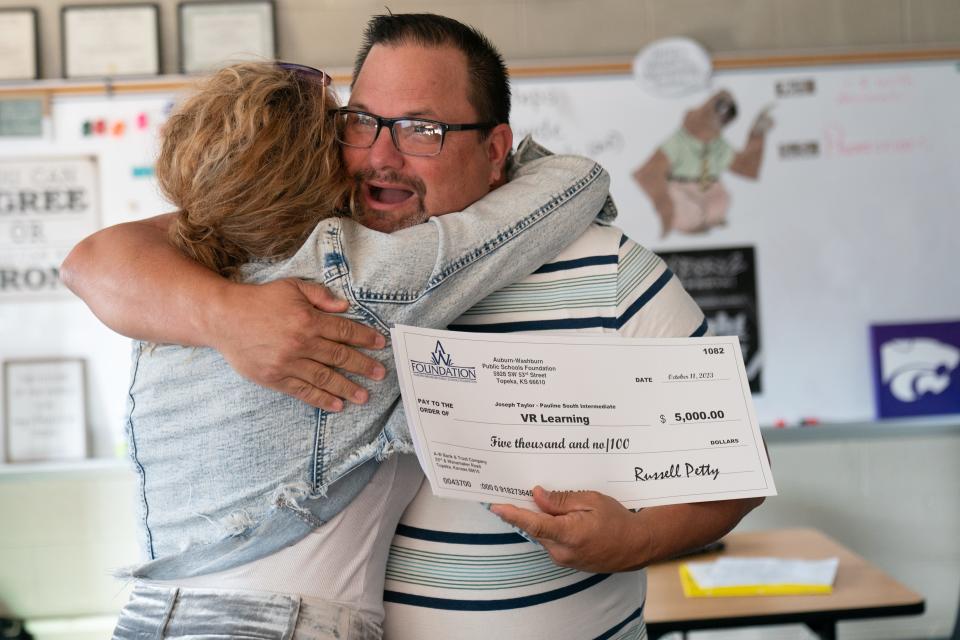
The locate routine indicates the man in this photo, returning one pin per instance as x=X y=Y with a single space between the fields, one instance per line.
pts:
x=433 y=68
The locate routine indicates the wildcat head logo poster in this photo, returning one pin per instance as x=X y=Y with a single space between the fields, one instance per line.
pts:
x=916 y=368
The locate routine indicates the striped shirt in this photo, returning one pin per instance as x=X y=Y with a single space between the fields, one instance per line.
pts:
x=457 y=571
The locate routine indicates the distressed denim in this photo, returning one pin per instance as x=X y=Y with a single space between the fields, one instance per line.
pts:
x=231 y=472
x=154 y=612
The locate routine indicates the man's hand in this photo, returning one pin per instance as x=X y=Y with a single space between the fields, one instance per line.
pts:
x=277 y=335
x=589 y=531
x=583 y=530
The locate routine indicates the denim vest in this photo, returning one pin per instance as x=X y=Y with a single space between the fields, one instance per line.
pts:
x=231 y=472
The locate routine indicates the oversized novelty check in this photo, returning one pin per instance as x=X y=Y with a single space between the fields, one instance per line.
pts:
x=646 y=421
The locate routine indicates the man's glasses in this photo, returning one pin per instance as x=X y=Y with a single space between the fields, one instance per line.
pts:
x=411 y=136
x=314 y=75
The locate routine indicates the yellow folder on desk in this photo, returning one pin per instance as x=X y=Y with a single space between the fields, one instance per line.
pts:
x=693 y=590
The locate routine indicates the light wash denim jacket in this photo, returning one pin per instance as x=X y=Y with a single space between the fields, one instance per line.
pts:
x=230 y=471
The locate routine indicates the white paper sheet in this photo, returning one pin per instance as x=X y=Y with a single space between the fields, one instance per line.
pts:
x=736 y=572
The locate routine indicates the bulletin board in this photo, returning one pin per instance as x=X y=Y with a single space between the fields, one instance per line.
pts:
x=90 y=167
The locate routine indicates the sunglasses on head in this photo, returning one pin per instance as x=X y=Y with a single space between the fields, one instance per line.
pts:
x=307 y=72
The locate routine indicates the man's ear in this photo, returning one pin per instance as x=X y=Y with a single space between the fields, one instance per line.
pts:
x=499 y=143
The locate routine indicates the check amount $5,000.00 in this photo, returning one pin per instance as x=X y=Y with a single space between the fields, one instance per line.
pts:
x=680 y=430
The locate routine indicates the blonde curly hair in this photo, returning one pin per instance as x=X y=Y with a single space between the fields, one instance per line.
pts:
x=252 y=164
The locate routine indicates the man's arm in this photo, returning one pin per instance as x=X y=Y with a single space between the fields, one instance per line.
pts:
x=141 y=286
x=592 y=532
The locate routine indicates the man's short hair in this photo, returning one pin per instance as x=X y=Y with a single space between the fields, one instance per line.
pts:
x=490 y=87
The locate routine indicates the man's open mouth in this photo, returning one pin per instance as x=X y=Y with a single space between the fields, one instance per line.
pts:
x=389 y=195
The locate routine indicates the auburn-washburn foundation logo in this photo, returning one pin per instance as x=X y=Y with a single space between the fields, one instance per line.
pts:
x=441 y=366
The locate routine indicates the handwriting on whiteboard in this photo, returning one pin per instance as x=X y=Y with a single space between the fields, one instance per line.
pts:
x=837 y=143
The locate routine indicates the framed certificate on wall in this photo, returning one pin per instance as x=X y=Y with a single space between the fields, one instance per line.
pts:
x=214 y=33
x=108 y=41
x=19 y=44
x=45 y=412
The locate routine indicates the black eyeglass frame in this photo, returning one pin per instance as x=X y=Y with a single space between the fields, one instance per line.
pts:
x=389 y=122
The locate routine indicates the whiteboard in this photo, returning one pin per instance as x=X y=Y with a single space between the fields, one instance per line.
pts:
x=866 y=231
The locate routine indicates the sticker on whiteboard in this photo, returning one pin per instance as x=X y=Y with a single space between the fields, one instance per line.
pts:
x=673 y=67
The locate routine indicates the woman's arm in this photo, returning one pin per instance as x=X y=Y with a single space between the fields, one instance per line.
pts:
x=460 y=258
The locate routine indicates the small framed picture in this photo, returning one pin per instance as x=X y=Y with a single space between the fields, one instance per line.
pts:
x=110 y=40
x=45 y=416
x=19 y=44
x=22 y=116
x=214 y=33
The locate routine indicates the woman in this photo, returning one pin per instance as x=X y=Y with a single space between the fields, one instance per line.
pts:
x=244 y=492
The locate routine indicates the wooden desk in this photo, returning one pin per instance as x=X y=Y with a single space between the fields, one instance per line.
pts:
x=861 y=590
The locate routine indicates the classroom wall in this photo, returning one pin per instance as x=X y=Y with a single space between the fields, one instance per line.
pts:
x=64 y=533
x=327 y=32
x=890 y=496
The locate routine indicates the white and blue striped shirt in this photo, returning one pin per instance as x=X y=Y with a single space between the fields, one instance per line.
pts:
x=457 y=571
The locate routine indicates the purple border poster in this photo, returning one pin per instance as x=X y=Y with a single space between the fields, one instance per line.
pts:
x=915 y=368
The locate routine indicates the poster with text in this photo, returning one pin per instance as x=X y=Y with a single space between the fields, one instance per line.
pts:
x=724 y=283
x=47 y=205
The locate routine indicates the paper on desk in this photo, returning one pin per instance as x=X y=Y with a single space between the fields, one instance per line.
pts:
x=741 y=572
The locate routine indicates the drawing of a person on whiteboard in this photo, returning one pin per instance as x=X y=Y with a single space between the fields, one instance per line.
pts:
x=682 y=177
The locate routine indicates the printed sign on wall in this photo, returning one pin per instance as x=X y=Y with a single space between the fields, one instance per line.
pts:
x=47 y=205
x=724 y=283
x=916 y=368
x=45 y=409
